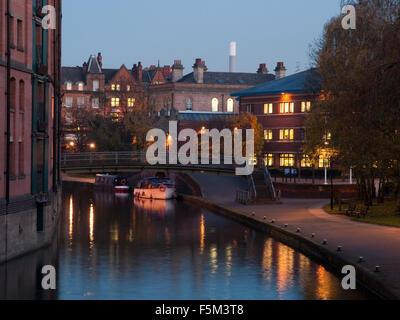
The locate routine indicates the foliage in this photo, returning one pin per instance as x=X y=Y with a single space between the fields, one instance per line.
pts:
x=361 y=74
x=248 y=121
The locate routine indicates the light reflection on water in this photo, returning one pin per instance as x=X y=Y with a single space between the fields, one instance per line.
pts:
x=120 y=248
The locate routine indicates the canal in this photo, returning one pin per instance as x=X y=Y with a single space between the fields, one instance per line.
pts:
x=111 y=247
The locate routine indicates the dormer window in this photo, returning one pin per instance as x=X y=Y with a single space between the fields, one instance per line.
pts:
x=69 y=85
x=80 y=86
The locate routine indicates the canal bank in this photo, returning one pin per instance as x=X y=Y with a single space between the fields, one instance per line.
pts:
x=310 y=244
x=28 y=223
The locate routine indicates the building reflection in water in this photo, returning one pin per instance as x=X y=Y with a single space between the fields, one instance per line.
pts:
x=166 y=250
x=71 y=219
x=324 y=287
x=91 y=226
x=202 y=234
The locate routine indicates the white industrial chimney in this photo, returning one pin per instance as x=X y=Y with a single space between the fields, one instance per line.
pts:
x=232 y=56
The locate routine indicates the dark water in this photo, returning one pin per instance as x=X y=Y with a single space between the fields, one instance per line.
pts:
x=120 y=248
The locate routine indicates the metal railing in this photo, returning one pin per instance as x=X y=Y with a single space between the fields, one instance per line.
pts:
x=103 y=159
x=268 y=181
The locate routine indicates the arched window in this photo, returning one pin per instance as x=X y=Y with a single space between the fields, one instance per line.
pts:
x=214 y=106
x=189 y=104
x=229 y=105
x=80 y=86
x=69 y=85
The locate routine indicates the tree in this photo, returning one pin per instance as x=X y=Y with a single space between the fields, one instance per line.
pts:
x=248 y=121
x=361 y=71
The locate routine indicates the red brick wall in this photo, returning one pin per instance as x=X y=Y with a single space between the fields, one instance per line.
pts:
x=277 y=121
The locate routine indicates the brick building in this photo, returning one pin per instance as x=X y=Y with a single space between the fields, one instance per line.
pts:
x=281 y=106
x=166 y=89
x=29 y=74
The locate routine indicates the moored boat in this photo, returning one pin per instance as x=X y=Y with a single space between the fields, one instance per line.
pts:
x=155 y=188
x=112 y=182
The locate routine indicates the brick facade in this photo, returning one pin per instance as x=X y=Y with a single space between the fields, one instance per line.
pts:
x=29 y=95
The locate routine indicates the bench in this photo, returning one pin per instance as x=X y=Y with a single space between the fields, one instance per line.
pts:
x=363 y=212
x=350 y=209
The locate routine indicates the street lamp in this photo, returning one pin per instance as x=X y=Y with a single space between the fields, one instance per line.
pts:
x=92 y=146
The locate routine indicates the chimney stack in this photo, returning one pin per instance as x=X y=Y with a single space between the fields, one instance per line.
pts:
x=177 y=70
x=199 y=68
x=84 y=67
x=139 y=72
x=232 y=56
x=280 y=71
x=262 y=69
x=100 y=60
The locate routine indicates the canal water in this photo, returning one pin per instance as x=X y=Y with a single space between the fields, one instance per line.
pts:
x=112 y=247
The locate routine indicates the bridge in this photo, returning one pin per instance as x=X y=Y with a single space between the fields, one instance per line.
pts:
x=260 y=182
x=120 y=162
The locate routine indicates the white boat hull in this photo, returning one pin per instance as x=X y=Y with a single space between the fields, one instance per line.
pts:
x=168 y=193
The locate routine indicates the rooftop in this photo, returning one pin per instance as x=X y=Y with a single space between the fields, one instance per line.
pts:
x=305 y=81
x=233 y=78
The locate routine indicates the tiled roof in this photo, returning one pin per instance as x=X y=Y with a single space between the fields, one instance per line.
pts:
x=235 y=78
x=73 y=74
x=148 y=75
x=93 y=65
x=306 y=81
x=205 y=116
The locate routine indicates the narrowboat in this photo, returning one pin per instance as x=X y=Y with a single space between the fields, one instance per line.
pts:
x=116 y=183
x=155 y=188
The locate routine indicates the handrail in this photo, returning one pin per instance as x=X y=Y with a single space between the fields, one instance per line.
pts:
x=268 y=181
x=71 y=160
x=253 y=188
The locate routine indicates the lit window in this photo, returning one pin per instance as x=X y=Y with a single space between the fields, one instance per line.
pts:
x=128 y=88
x=229 y=105
x=268 y=108
x=324 y=162
x=269 y=159
x=268 y=134
x=287 y=160
x=69 y=85
x=80 y=86
x=113 y=87
x=118 y=87
x=215 y=105
x=96 y=85
x=131 y=102
x=115 y=102
x=286 y=107
x=95 y=103
x=305 y=161
x=306 y=106
x=69 y=102
x=189 y=104
x=286 y=134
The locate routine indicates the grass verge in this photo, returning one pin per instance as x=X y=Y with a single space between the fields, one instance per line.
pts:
x=380 y=213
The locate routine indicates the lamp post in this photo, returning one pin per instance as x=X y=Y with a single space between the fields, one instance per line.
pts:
x=331 y=185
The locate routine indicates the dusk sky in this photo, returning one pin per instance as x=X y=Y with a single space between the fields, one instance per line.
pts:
x=128 y=31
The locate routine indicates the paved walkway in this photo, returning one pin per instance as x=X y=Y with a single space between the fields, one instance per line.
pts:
x=379 y=245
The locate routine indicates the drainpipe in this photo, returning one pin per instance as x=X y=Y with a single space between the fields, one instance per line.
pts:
x=8 y=125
